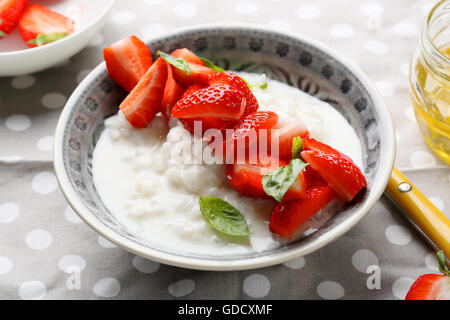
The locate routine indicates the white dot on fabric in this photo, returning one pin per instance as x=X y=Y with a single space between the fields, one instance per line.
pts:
x=422 y=159
x=145 y=266
x=82 y=74
x=32 y=290
x=107 y=288
x=256 y=286
x=401 y=286
x=432 y=262
x=185 y=10
x=44 y=183
x=376 y=47
x=62 y=63
x=296 y=264
x=279 y=24
x=364 y=258
x=45 y=143
x=386 y=88
x=105 y=243
x=6 y=265
x=23 y=82
x=371 y=9
x=404 y=68
x=152 y=30
x=246 y=7
x=438 y=203
x=123 y=17
x=181 y=288
x=308 y=12
x=9 y=212
x=405 y=28
x=342 y=30
x=68 y=261
x=10 y=159
x=96 y=40
x=53 y=100
x=38 y=239
x=18 y=122
x=71 y=216
x=330 y=290
x=398 y=235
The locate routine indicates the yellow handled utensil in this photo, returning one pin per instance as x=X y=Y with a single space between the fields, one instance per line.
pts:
x=428 y=219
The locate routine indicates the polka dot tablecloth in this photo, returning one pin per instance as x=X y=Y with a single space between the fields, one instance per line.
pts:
x=42 y=239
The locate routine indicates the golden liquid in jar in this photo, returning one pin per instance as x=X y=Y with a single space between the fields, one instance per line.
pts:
x=433 y=110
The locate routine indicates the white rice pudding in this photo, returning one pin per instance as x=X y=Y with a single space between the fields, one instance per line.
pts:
x=143 y=181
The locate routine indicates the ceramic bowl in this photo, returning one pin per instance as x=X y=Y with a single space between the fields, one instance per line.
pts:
x=291 y=58
x=16 y=58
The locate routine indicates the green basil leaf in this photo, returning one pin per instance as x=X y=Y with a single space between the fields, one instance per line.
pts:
x=178 y=63
x=297 y=146
x=442 y=266
x=277 y=183
x=47 y=38
x=211 y=65
x=223 y=217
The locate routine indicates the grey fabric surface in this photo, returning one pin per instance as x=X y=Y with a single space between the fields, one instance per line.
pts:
x=40 y=236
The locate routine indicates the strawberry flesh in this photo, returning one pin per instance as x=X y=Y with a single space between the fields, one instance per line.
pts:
x=284 y=134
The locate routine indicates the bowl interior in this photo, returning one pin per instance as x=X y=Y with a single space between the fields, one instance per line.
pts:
x=295 y=61
x=83 y=12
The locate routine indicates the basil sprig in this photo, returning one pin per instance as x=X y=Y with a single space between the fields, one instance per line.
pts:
x=223 y=217
x=178 y=63
x=211 y=65
x=278 y=182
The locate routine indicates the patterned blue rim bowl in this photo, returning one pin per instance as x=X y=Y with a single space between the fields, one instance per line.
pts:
x=294 y=59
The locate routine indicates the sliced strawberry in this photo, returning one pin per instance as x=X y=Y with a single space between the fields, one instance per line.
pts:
x=247 y=178
x=430 y=287
x=39 y=22
x=172 y=93
x=340 y=173
x=234 y=80
x=284 y=134
x=187 y=55
x=142 y=103
x=127 y=61
x=287 y=217
x=224 y=102
x=198 y=75
x=312 y=144
x=10 y=13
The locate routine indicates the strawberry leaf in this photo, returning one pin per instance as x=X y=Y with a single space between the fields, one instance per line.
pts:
x=178 y=63
x=223 y=217
x=278 y=182
x=442 y=266
x=297 y=147
x=211 y=65
x=2 y=34
x=47 y=38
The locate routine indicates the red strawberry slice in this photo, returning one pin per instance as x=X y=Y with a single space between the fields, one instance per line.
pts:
x=143 y=102
x=312 y=144
x=127 y=61
x=199 y=74
x=172 y=93
x=10 y=13
x=284 y=134
x=39 y=21
x=224 y=102
x=340 y=173
x=430 y=287
x=188 y=56
x=287 y=217
x=247 y=179
x=234 y=80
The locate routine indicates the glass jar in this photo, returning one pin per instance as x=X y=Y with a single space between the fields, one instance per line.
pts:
x=429 y=78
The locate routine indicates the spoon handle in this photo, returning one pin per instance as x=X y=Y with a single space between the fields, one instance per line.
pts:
x=430 y=221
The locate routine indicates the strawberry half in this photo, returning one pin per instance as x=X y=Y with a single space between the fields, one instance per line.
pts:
x=340 y=173
x=10 y=13
x=127 y=61
x=172 y=93
x=247 y=179
x=287 y=217
x=430 y=287
x=312 y=144
x=40 y=25
x=224 y=102
x=234 y=80
x=284 y=134
x=188 y=56
x=143 y=102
